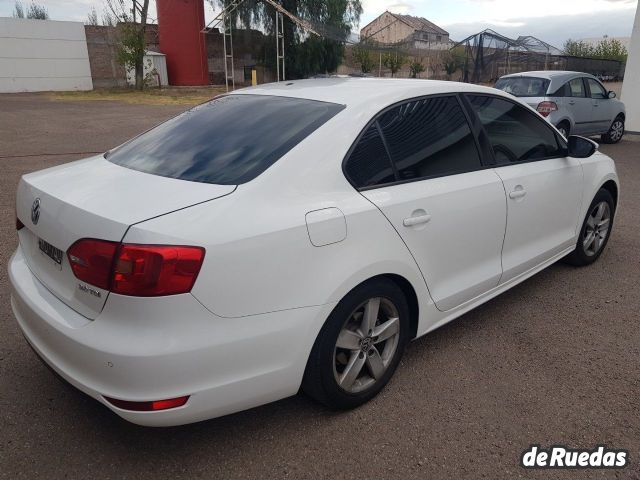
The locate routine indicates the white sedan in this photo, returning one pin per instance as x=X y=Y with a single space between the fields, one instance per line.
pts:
x=294 y=235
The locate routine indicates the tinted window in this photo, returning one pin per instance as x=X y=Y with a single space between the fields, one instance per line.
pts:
x=524 y=86
x=369 y=164
x=515 y=133
x=429 y=137
x=597 y=91
x=228 y=141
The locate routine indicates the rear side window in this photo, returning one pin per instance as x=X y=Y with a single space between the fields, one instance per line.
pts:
x=524 y=86
x=229 y=140
x=573 y=88
x=515 y=133
x=576 y=88
x=369 y=164
x=428 y=138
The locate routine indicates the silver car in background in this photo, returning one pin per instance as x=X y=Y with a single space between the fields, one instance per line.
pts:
x=576 y=103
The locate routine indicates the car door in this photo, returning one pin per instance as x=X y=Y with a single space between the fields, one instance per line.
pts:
x=449 y=211
x=601 y=111
x=578 y=105
x=543 y=185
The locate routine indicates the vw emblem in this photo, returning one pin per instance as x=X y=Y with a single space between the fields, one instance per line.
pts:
x=35 y=211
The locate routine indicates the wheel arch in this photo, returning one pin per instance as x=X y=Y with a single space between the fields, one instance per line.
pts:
x=411 y=297
x=612 y=187
x=408 y=289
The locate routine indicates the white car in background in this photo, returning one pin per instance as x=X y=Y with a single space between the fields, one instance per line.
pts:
x=294 y=235
x=576 y=103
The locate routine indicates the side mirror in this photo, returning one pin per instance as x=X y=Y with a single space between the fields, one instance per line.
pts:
x=580 y=147
x=611 y=94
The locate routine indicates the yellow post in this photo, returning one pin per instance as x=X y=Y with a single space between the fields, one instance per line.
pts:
x=254 y=77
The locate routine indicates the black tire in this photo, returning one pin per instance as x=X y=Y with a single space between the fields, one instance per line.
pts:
x=616 y=131
x=320 y=380
x=581 y=256
x=566 y=127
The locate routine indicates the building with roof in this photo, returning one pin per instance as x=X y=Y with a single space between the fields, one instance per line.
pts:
x=412 y=32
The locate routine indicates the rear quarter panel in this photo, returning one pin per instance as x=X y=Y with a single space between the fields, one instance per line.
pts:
x=259 y=257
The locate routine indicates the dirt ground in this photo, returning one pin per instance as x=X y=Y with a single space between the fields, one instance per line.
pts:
x=555 y=360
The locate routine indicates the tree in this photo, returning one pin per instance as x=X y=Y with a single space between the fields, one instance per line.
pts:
x=92 y=17
x=305 y=53
x=18 y=11
x=34 y=11
x=362 y=56
x=611 y=49
x=578 y=48
x=394 y=61
x=416 y=68
x=108 y=19
x=606 y=49
x=132 y=35
x=37 y=12
x=452 y=61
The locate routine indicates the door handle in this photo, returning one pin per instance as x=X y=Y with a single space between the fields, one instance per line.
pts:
x=517 y=193
x=417 y=220
x=572 y=102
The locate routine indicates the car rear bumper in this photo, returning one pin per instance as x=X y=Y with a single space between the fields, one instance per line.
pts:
x=144 y=349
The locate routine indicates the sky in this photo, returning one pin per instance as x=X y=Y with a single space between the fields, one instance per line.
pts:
x=551 y=20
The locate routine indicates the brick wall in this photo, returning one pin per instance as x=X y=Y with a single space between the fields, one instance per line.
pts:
x=248 y=50
x=102 y=42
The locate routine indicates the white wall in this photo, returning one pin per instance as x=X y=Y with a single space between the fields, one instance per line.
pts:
x=43 y=55
x=631 y=86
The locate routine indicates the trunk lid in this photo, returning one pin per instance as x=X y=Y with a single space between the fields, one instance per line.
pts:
x=92 y=198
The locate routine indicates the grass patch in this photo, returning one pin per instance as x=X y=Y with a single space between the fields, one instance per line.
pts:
x=166 y=96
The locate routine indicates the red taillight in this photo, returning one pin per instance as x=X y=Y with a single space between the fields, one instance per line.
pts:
x=92 y=261
x=151 y=406
x=137 y=270
x=545 y=108
x=153 y=270
x=19 y=224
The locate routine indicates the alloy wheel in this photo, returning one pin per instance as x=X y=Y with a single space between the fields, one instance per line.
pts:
x=617 y=130
x=597 y=229
x=366 y=345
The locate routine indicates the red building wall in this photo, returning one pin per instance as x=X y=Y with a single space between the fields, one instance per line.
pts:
x=180 y=24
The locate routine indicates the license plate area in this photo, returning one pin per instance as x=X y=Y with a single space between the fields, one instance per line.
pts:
x=54 y=253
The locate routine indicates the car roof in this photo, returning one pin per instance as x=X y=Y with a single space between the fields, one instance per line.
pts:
x=548 y=74
x=374 y=92
x=556 y=78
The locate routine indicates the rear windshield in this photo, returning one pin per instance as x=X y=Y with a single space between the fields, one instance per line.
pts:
x=227 y=141
x=524 y=86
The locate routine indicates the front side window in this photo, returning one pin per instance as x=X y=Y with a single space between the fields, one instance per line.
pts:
x=229 y=140
x=369 y=165
x=516 y=134
x=597 y=91
x=429 y=137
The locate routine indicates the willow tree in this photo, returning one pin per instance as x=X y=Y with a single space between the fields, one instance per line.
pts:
x=305 y=54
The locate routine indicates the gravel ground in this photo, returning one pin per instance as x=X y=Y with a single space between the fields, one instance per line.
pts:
x=555 y=360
